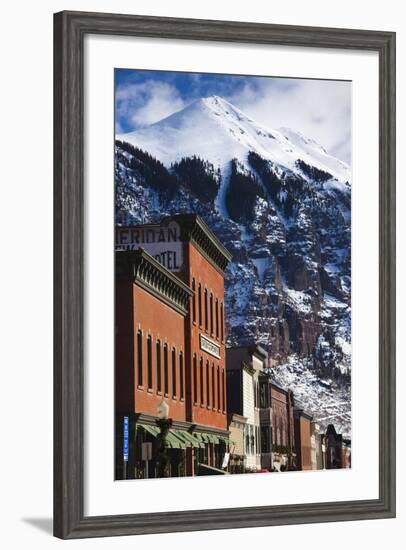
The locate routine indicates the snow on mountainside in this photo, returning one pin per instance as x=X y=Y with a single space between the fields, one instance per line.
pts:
x=282 y=206
x=214 y=130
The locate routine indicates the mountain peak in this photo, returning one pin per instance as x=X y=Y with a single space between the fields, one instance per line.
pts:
x=217 y=131
x=219 y=106
x=215 y=100
x=211 y=100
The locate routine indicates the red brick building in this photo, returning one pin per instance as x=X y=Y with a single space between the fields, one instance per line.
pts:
x=170 y=336
x=283 y=438
x=303 y=434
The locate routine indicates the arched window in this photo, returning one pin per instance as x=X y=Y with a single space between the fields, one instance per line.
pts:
x=199 y=304
x=218 y=388
x=206 y=313
x=222 y=321
x=211 y=314
x=158 y=366
x=149 y=361
x=201 y=382
x=194 y=379
x=217 y=318
x=207 y=384
x=139 y=357
x=166 y=374
x=194 y=301
x=224 y=389
x=213 y=385
x=181 y=376
x=174 y=381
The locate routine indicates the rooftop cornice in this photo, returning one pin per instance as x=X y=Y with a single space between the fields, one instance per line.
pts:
x=195 y=230
x=247 y=367
x=149 y=274
x=279 y=388
x=253 y=349
x=259 y=352
x=234 y=417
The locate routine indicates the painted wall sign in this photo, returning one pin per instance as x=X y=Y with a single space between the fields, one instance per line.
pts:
x=163 y=243
x=209 y=346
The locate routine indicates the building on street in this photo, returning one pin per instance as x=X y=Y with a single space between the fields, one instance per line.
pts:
x=244 y=367
x=237 y=428
x=283 y=437
x=170 y=345
x=303 y=435
x=346 y=453
x=317 y=455
x=265 y=419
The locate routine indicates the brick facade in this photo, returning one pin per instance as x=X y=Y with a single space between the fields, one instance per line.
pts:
x=283 y=439
x=170 y=334
x=303 y=434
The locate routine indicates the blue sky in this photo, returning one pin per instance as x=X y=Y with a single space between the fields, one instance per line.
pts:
x=320 y=109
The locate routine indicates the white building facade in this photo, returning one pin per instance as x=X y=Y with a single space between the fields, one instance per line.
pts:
x=245 y=365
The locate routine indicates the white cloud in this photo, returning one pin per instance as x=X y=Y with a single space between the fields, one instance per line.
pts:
x=146 y=103
x=320 y=109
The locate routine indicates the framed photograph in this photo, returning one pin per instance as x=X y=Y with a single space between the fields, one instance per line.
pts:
x=224 y=275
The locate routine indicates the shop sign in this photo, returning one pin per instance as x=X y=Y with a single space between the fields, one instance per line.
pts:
x=225 y=460
x=146 y=450
x=163 y=243
x=209 y=347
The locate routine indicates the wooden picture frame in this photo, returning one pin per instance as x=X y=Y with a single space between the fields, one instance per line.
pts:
x=70 y=30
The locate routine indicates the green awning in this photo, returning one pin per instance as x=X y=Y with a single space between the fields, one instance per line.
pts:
x=189 y=439
x=199 y=437
x=196 y=442
x=175 y=442
x=206 y=438
x=153 y=430
x=181 y=439
x=172 y=440
x=180 y=435
x=213 y=439
x=210 y=438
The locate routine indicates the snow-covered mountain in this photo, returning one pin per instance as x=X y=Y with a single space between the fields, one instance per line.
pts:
x=282 y=206
x=214 y=130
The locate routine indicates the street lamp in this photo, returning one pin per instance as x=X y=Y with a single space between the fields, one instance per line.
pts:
x=164 y=424
x=163 y=410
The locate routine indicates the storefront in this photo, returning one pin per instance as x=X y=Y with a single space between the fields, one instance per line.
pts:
x=182 y=447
